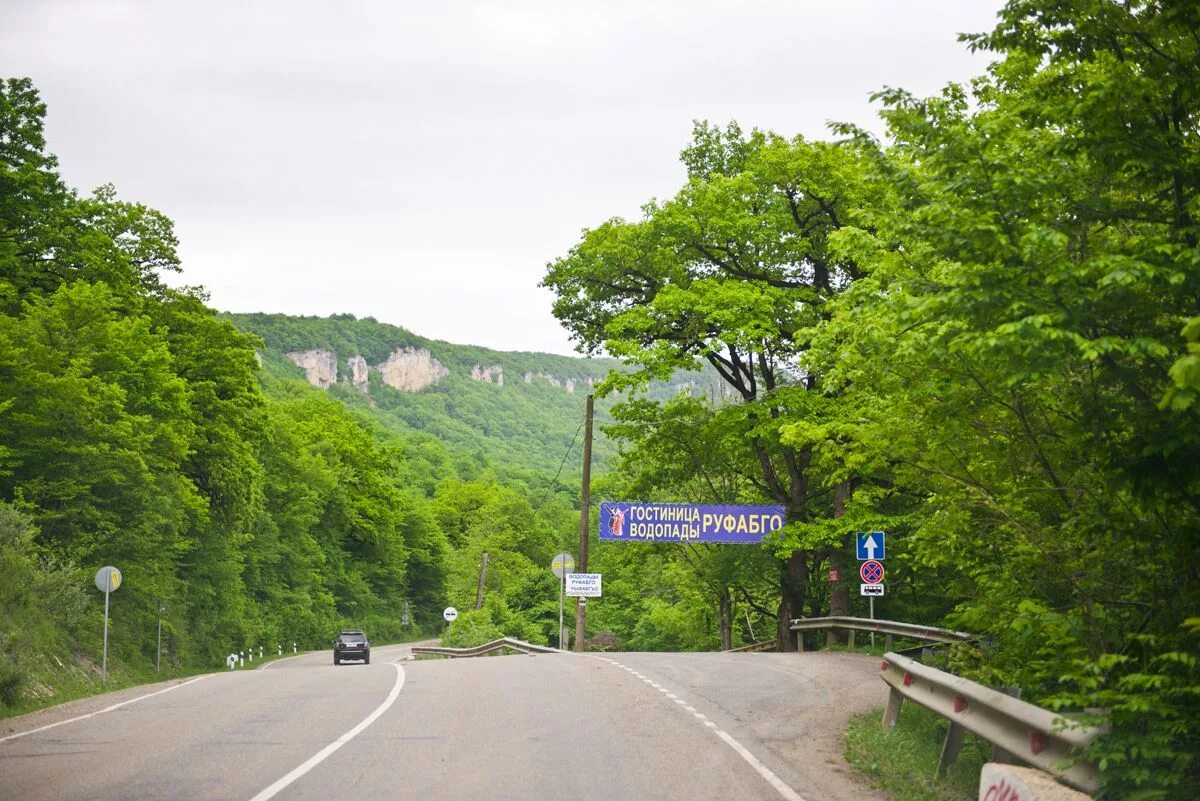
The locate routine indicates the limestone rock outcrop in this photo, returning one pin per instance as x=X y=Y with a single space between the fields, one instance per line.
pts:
x=411 y=369
x=319 y=366
x=359 y=372
x=488 y=374
x=408 y=369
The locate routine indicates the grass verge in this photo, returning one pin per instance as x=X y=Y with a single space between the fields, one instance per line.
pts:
x=903 y=760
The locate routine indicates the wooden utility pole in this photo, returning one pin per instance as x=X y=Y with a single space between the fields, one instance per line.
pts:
x=584 y=521
x=482 y=577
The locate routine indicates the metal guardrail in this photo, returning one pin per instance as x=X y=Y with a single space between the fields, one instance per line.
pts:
x=891 y=628
x=503 y=644
x=1034 y=735
x=765 y=645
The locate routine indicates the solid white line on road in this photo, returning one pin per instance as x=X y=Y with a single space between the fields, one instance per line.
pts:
x=763 y=770
x=102 y=711
x=324 y=753
x=780 y=786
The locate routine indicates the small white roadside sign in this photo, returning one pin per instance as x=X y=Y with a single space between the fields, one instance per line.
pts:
x=585 y=585
x=871 y=589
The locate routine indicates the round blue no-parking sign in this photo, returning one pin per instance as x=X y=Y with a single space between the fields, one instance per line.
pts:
x=871 y=571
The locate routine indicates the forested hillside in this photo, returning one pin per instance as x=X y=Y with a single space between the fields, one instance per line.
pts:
x=138 y=430
x=521 y=420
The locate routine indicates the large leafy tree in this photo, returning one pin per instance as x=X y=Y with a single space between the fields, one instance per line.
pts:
x=1021 y=352
x=734 y=271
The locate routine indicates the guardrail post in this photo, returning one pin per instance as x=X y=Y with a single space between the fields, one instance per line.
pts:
x=951 y=748
x=851 y=641
x=895 y=699
x=887 y=643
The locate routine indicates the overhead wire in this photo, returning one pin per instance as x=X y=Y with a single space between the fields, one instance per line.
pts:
x=554 y=481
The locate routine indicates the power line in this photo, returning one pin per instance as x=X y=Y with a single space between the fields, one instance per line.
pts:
x=554 y=480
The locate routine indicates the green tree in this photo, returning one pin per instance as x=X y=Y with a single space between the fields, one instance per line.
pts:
x=735 y=271
x=1019 y=356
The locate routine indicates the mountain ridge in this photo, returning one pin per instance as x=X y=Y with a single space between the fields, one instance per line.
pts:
x=517 y=409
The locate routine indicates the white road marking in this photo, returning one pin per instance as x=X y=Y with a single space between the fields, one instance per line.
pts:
x=324 y=753
x=779 y=784
x=101 y=711
x=763 y=770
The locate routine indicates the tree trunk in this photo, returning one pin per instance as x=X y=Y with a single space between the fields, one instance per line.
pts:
x=725 y=618
x=793 y=580
x=839 y=562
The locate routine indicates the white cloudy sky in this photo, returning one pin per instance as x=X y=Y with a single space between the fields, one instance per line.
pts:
x=421 y=162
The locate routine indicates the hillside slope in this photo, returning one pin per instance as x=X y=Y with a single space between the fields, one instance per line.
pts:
x=516 y=411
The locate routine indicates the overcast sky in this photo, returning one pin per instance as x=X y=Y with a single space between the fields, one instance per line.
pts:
x=421 y=162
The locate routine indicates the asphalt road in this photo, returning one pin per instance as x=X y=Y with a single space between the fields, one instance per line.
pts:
x=606 y=727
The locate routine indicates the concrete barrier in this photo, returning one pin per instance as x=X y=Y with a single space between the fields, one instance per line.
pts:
x=1010 y=783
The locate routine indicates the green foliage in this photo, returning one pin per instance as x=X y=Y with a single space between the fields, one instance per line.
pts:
x=136 y=432
x=1151 y=697
x=472 y=627
x=43 y=602
x=494 y=621
x=735 y=273
x=998 y=368
x=520 y=429
x=903 y=760
x=1020 y=353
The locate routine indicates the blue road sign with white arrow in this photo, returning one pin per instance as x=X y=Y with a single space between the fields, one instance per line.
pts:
x=870 y=545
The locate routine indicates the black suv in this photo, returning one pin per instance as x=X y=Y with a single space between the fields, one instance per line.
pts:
x=351 y=644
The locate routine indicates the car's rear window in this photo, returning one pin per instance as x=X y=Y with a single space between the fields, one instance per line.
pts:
x=355 y=638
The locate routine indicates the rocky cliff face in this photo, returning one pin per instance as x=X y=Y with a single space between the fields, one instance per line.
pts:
x=408 y=370
x=411 y=369
x=568 y=384
x=359 y=372
x=319 y=366
x=488 y=374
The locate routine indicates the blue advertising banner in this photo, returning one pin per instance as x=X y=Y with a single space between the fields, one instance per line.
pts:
x=683 y=522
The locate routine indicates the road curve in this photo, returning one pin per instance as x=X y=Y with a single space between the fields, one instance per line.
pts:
x=759 y=727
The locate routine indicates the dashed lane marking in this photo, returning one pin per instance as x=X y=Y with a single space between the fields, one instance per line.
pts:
x=771 y=777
